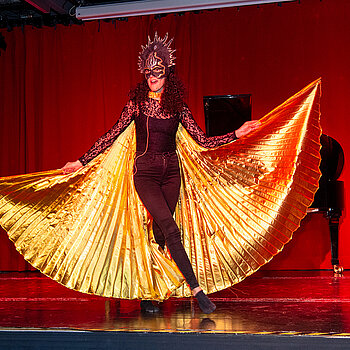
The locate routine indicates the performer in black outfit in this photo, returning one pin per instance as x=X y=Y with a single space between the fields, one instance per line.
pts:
x=156 y=106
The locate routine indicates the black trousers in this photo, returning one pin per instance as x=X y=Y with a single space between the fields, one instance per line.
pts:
x=157 y=182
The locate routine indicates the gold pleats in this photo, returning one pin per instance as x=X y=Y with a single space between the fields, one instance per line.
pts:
x=239 y=205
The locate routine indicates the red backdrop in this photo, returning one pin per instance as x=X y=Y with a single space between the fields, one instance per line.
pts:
x=63 y=87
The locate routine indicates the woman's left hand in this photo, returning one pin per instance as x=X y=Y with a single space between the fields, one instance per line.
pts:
x=247 y=127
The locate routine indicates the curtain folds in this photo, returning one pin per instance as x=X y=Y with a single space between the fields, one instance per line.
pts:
x=63 y=87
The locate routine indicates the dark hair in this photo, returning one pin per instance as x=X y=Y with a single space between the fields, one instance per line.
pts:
x=172 y=98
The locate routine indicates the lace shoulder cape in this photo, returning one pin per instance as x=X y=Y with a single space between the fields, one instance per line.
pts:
x=239 y=205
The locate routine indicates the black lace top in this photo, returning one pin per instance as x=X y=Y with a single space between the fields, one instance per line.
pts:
x=160 y=127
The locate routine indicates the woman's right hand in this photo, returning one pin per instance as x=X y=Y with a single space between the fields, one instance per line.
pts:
x=70 y=167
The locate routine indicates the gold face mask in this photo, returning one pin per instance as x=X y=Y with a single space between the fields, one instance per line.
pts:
x=154 y=66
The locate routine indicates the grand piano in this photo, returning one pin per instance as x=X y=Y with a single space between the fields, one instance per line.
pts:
x=329 y=199
x=225 y=113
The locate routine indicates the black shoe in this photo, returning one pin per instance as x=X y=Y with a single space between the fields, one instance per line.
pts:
x=148 y=307
x=206 y=305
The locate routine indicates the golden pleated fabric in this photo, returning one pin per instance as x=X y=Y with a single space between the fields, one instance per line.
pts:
x=239 y=205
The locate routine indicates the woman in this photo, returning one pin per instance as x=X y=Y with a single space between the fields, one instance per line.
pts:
x=157 y=107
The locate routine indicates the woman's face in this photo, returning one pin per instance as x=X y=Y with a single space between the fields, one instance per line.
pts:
x=155 y=84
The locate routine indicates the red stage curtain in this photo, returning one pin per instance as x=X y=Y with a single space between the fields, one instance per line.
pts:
x=63 y=87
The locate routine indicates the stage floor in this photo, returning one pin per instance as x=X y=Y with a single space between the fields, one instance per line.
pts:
x=312 y=303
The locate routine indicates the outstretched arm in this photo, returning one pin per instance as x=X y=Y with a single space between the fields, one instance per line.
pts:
x=202 y=139
x=106 y=140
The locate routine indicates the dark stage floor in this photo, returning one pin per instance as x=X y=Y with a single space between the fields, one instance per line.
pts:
x=287 y=307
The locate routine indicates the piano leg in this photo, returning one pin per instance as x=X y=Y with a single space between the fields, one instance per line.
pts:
x=333 y=221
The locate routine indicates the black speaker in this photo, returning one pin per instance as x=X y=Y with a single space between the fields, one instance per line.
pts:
x=226 y=113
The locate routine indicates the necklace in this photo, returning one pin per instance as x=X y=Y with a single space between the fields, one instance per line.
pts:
x=154 y=95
